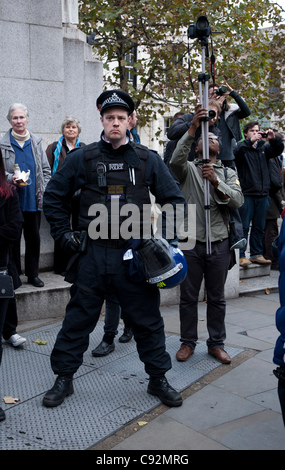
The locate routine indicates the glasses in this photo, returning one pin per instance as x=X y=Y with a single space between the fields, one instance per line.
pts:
x=215 y=137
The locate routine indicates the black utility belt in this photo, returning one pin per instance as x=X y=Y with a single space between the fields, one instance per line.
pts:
x=107 y=243
x=212 y=243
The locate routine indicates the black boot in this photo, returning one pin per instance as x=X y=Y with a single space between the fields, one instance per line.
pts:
x=127 y=335
x=62 y=388
x=159 y=387
x=103 y=349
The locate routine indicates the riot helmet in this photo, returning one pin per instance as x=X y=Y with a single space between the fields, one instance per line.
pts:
x=163 y=265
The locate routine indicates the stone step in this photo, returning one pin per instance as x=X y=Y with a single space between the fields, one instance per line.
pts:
x=260 y=284
x=49 y=302
x=46 y=302
x=254 y=270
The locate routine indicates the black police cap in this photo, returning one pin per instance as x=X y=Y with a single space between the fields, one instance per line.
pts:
x=111 y=98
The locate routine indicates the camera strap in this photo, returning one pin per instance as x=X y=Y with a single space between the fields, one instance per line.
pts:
x=189 y=71
x=213 y=60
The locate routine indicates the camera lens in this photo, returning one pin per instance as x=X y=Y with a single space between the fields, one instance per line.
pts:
x=211 y=114
x=202 y=27
x=221 y=90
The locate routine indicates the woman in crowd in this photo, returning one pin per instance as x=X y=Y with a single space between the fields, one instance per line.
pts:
x=56 y=154
x=19 y=146
x=10 y=229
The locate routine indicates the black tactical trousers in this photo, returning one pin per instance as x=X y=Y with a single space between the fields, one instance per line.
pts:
x=101 y=270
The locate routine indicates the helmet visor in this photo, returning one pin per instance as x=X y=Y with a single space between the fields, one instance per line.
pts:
x=154 y=257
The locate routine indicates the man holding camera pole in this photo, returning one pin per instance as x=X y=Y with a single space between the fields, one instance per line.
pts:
x=224 y=192
x=231 y=114
x=251 y=156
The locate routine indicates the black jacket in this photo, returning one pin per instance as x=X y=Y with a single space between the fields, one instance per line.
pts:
x=11 y=221
x=252 y=165
x=178 y=129
x=73 y=176
x=230 y=126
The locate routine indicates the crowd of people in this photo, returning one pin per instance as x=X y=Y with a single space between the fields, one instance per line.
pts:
x=70 y=177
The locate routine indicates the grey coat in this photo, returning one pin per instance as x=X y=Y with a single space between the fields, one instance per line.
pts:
x=43 y=172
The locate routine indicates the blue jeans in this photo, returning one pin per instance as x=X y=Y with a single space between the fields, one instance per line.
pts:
x=254 y=210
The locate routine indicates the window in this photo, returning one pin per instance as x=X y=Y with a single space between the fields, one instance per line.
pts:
x=131 y=58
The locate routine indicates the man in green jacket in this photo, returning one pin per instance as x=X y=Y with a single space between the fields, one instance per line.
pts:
x=224 y=193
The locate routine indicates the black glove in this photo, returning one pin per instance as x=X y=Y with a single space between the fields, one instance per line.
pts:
x=280 y=373
x=70 y=242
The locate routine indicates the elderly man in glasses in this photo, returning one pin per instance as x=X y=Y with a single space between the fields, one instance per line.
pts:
x=225 y=192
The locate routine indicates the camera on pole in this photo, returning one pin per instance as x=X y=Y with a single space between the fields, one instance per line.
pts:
x=201 y=31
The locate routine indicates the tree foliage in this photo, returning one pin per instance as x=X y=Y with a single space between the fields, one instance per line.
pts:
x=249 y=58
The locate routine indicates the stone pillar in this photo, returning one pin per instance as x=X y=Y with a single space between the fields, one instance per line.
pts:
x=70 y=12
x=47 y=64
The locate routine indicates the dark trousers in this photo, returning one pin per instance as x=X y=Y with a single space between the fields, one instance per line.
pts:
x=3 y=310
x=270 y=234
x=60 y=259
x=113 y=314
x=281 y=396
x=99 y=272
x=254 y=210
x=214 y=269
x=11 y=319
x=31 y=231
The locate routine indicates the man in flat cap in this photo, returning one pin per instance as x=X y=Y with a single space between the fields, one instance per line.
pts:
x=111 y=172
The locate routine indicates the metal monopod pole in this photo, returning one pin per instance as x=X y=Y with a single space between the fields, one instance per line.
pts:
x=203 y=79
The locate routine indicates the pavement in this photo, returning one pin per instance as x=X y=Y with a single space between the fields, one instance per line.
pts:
x=230 y=407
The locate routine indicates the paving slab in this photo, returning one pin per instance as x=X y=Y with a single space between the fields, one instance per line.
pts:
x=226 y=407
x=110 y=391
x=250 y=378
x=166 y=433
x=219 y=406
x=258 y=431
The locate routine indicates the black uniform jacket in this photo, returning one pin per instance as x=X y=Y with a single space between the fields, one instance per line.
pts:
x=72 y=177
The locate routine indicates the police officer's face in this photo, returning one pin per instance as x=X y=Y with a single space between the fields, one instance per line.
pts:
x=115 y=122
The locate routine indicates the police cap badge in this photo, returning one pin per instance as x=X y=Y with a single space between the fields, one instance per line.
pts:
x=111 y=98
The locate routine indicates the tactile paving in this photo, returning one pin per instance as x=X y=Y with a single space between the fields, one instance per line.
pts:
x=110 y=391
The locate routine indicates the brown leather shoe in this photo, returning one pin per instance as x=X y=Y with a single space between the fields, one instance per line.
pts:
x=243 y=262
x=184 y=352
x=260 y=260
x=221 y=355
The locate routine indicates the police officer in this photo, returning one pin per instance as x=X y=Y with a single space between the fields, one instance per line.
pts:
x=113 y=170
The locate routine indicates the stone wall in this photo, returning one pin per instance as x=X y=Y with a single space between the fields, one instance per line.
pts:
x=48 y=66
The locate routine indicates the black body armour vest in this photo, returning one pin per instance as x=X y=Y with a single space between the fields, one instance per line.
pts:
x=114 y=178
